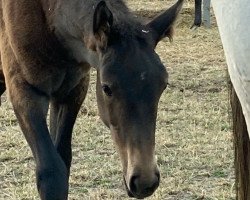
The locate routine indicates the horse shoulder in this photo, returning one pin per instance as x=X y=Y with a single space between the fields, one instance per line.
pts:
x=40 y=57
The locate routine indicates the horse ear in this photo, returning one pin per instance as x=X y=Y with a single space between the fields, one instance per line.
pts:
x=102 y=22
x=163 y=25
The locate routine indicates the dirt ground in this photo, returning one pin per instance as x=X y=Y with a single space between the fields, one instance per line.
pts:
x=194 y=144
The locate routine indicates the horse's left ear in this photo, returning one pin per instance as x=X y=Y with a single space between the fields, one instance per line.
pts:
x=102 y=22
x=163 y=25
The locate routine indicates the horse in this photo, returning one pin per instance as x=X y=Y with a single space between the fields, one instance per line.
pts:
x=233 y=20
x=47 y=49
x=197 y=14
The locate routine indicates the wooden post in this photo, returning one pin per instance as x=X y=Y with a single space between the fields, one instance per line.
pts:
x=242 y=149
x=206 y=13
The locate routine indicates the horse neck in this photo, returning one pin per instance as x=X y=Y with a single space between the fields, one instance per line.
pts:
x=72 y=25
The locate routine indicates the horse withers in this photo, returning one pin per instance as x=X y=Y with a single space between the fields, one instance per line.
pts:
x=47 y=48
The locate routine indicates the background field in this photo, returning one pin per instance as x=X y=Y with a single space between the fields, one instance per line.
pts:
x=194 y=141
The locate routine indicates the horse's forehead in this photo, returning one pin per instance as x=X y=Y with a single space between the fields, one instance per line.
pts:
x=134 y=75
x=135 y=61
x=135 y=55
x=132 y=59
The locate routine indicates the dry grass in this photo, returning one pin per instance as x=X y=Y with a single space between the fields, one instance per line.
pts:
x=194 y=142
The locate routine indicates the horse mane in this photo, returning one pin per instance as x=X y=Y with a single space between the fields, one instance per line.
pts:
x=126 y=25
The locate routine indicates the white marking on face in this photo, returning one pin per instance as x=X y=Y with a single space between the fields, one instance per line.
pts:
x=145 y=31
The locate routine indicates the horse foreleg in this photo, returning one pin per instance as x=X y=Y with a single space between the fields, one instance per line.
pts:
x=63 y=113
x=2 y=89
x=31 y=107
x=198 y=13
x=2 y=85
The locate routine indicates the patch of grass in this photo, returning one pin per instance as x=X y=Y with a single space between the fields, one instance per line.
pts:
x=193 y=138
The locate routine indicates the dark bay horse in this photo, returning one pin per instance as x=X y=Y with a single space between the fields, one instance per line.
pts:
x=197 y=14
x=47 y=48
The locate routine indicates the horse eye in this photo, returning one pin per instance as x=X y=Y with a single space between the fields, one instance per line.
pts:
x=106 y=89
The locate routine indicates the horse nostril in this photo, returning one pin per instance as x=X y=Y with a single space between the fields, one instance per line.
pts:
x=133 y=184
x=151 y=188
